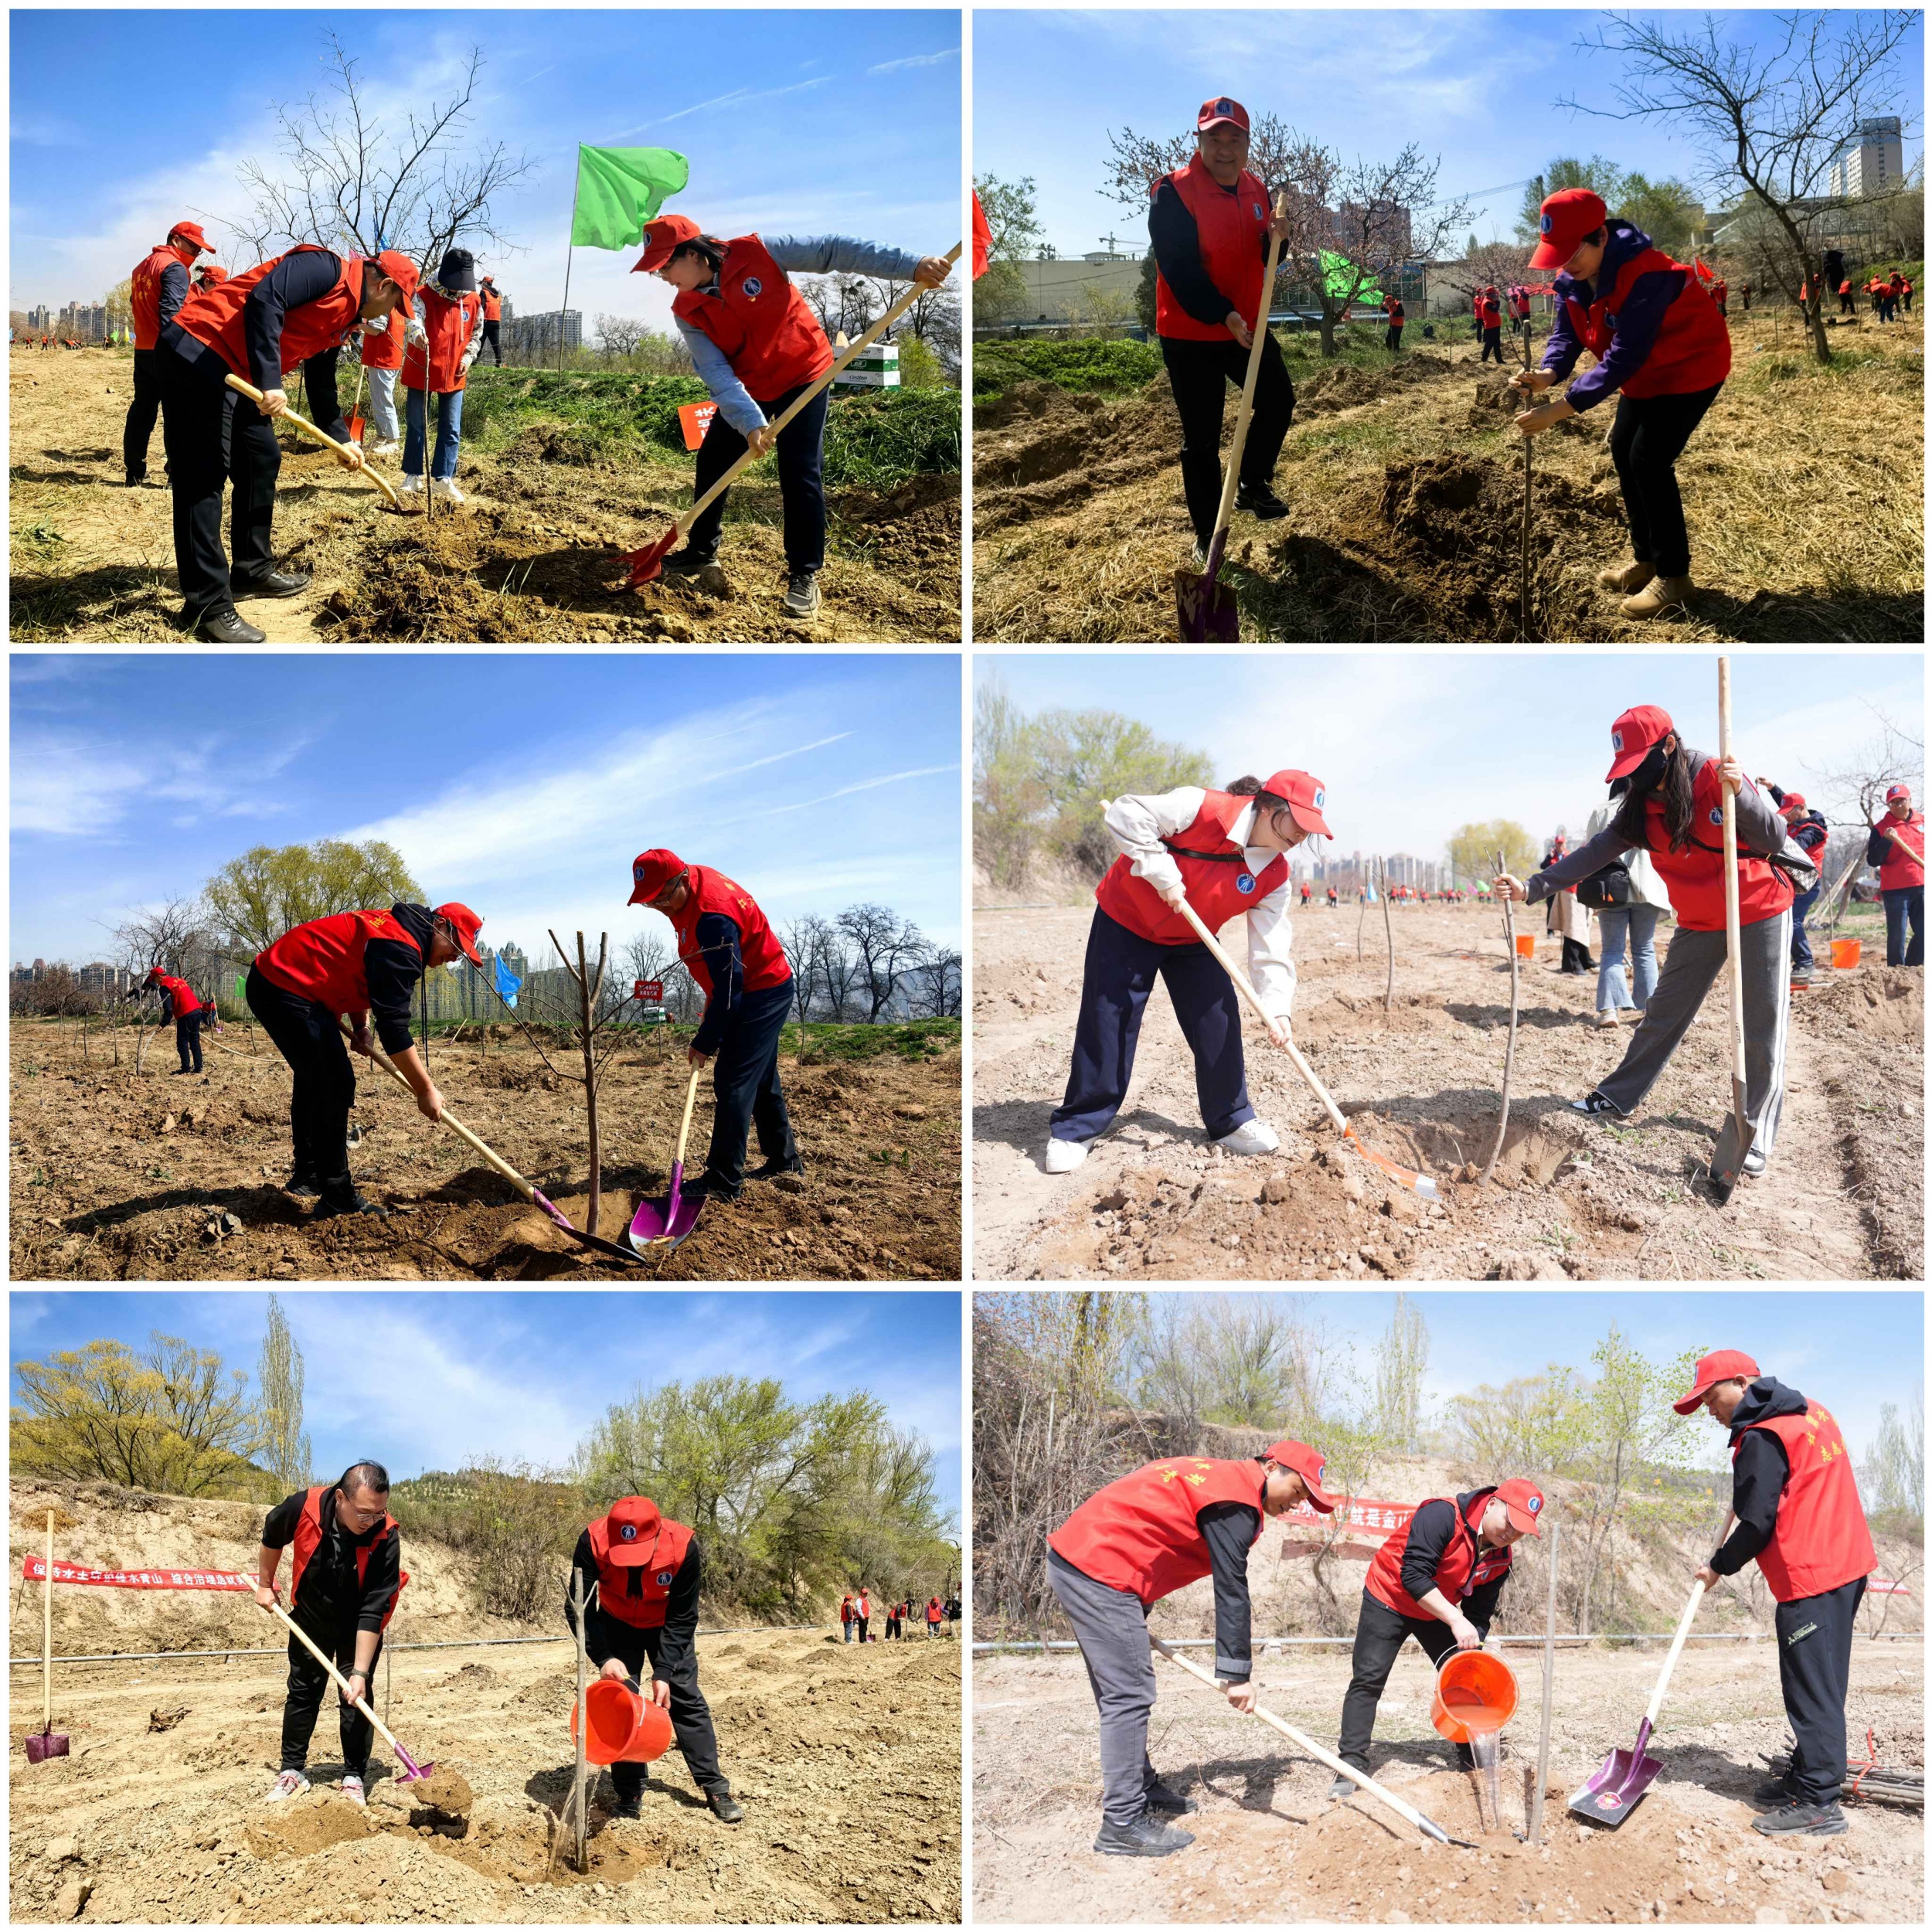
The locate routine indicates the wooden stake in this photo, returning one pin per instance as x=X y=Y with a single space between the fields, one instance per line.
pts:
x=583 y=1715
x=1389 y=935
x=1549 y=1669
x=46 y=1636
x=1509 y=1053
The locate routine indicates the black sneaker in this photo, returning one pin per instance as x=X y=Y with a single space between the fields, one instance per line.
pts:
x=628 y=1806
x=1595 y=1103
x=271 y=584
x=223 y=625
x=1776 y=1791
x=724 y=1808
x=770 y=1170
x=1146 y=1838
x=1342 y=1787
x=708 y=1187
x=801 y=594
x=329 y=1205
x=136 y=478
x=688 y=563
x=1259 y=499
x=1161 y=1797
x=303 y=1184
x=1799 y=1820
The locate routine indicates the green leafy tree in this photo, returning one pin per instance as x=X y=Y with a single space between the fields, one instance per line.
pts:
x=1401 y=1361
x=286 y=1452
x=1666 y=211
x=1567 y=172
x=1894 y=1473
x=1012 y=219
x=259 y=896
x=1472 y=849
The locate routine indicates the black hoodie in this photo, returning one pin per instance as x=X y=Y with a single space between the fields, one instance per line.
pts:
x=1758 y=1473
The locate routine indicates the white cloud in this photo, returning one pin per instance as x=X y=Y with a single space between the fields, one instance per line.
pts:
x=66 y=784
x=916 y=60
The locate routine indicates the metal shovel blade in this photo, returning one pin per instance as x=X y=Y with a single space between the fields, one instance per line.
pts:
x=1206 y=610
x=666 y=1222
x=1724 y=1177
x=1612 y=1793
x=646 y=565
x=43 y=1745
x=411 y=1769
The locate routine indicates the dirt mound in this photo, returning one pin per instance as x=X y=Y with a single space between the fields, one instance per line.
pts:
x=443 y=1792
x=1871 y=1002
x=1346 y=385
x=300 y=1827
x=1039 y=449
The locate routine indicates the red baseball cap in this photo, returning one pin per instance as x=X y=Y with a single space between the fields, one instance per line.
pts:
x=1568 y=215
x=1632 y=736
x=1897 y=792
x=650 y=872
x=1525 y=1502
x=1793 y=802
x=1725 y=1365
x=662 y=239
x=1309 y=1465
x=465 y=925
x=188 y=231
x=400 y=270
x=631 y=1530
x=213 y=273
x=1218 y=113
x=1306 y=795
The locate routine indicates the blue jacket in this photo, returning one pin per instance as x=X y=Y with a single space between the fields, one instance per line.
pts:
x=1638 y=321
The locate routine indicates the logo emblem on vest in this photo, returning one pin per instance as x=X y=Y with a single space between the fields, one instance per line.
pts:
x=1717 y=814
x=753 y=286
x=1245 y=882
x=664 y=1578
x=626 y=1533
x=1260 y=213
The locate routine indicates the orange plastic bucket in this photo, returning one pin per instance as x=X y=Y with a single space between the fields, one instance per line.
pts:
x=1526 y=944
x=1475 y=1692
x=625 y=1728
x=1845 y=953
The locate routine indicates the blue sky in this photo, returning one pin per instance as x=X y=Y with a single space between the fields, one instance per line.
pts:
x=1478 y=87
x=1412 y=745
x=522 y=787
x=797 y=122
x=430 y=1380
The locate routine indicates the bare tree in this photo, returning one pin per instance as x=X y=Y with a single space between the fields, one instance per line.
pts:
x=935 y=990
x=888 y=948
x=161 y=935
x=620 y=334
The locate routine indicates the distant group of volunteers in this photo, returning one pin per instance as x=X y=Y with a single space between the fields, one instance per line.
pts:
x=1795 y=1513
x=855 y=1617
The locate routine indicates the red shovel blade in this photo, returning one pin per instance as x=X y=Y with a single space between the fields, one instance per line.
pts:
x=647 y=566
x=356 y=430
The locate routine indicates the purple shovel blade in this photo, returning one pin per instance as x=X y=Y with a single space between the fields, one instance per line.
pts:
x=669 y=1220
x=411 y=1769
x=1612 y=1794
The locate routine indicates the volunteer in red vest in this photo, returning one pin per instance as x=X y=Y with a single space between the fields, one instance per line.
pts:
x=181 y=1003
x=1395 y=314
x=1224 y=853
x=355 y=965
x=1897 y=848
x=1661 y=347
x=289 y=313
x=493 y=318
x=862 y=1610
x=1905 y=294
x=1800 y=1518
x=346 y=1576
x=757 y=345
x=1811 y=835
x=1168 y=1524
x=209 y=275
x=1210 y=222
x=1489 y=317
x=383 y=345
x=452 y=317
x=1437 y=1581
x=934 y=1614
x=1670 y=807
x=727 y=945
x=160 y=284
x=847 y=1617
x=1846 y=301
x=646 y=1571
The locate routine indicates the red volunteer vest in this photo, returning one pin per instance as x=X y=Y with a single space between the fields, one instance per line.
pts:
x=1821 y=1538
x=1906 y=865
x=180 y=993
x=637 y=1595
x=308 y=1538
x=1491 y=312
x=214 y=315
x=1695 y=876
x=322 y=960
x=933 y=1611
x=1692 y=350
x=1395 y=312
x=1140 y=1534
x=1234 y=228
x=765 y=958
x=1464 y=1569
x=765 y=327
x=450 y=324
x=383 y=348
x=1213 y=868
x=143 y=295
x=492 y=306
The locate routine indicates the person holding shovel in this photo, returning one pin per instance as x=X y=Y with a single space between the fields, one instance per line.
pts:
x=346 y=1576
x=645 y=1571
x=1800 y=1518
x=352 y=965
x=757 y=346
x=1223 y=852
x=156 y=291
x=440 y=366
x=1671 y=808
x=181 y=1003
x=1897 y=848
x=1661 y=346
x=1130 y=1544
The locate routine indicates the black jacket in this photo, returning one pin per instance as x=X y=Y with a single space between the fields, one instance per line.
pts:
x=1430 y=1532
x=329 y=1596
x=606 y=1637
x=1758 y=1472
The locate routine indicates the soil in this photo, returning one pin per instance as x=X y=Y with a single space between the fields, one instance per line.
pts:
x=116 y=1176
x=1573 y=1198
x=532 y=555
x=1270 y=1846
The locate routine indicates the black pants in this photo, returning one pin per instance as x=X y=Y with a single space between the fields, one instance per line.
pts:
x=1393 y=338
x=138 y=430
x=187 y=1038
x=864 y=1623
x=690 y=1715
x=1815 y=1672
x=1846 y=306
x=892 y=1628
x=1645 y=441
x=801 y=479
x=1492 y=344
x=308 y=1681
x=1199 y=373
x=307 y=1035
x=1576 y=957
x=493 y=341
x=744 y=1078
x=1380 y=1635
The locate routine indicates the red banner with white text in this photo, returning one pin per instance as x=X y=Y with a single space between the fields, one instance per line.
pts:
x=34 y=1570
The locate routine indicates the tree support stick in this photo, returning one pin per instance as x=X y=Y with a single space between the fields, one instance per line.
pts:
x=1509 y=1053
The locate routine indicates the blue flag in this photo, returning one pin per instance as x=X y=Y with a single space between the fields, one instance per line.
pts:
x=507 y=985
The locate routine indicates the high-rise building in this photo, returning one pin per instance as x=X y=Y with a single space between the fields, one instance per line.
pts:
x=534 y=337
x=1873 y=162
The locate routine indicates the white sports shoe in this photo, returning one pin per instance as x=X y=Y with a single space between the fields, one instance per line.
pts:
x=1064 y=1156
x=412 y=486
x=390 y=448
x=352 y=1791
x=289 y=1785
x=1253 y=1137
x=445 y=490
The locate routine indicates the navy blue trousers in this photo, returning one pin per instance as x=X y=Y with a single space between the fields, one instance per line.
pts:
x=1800 y=940
x=801 y=479
x=1904 y=905
x=1122 y=968
x=745 y=1081
x=187 y=1039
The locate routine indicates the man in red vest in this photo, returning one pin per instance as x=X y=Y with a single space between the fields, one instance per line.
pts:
x=348 y=1573
x=180 y=1003
x=1210 y=222
x=640 y=1573
x=1437 y=1581
x=1799 y=1517
x=492 y=319
x=1396 y=315
x=349 y=964
x=1812 y=836
x=157 y=289
x=1489 y=316
x=1140 y=1539
x=1897 y=848
x=727 y=945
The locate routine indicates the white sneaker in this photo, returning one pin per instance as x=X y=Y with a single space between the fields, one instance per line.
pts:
x=384 y=449
x=1064 y=1156
x=1608 y=1016
x=352 y=1791
x=445 y=490
x=412 y=486
x=289 y=1785
x=1255 y=1137
x=1754 y=1162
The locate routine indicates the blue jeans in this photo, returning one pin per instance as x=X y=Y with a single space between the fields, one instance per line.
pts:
x=1639 y=924
x=449 y=435
x=1801 y=907
x=1904 y=904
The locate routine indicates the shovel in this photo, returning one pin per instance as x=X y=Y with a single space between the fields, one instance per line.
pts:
x=669 y=1221
x=315 y=435
x=411 y=1769
x=1207 y=613
x=46 y=1742
x=646 y=565
x=1421 y=1183
x=1727 y=1162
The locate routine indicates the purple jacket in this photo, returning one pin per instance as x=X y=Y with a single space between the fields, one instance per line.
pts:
x=1633 y=334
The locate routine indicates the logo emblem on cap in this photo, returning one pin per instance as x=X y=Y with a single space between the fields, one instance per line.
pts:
x=1616 y=741
x=1321 y=798
x=637 y=872
x=1545 y=223
x=1245 y=884
x=1321 y=1473
x=1224 y=106
x=753 y=286
x=1535 y=1503
x=627 y=1533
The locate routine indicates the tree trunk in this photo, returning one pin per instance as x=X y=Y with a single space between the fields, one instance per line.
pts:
x=1327 y=326
x=587 y=995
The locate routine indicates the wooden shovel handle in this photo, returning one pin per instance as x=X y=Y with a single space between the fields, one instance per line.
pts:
x=690 y=1101
x=1683 y=1630
x=315 y=435
x=1232 y=479
x=322 y=1658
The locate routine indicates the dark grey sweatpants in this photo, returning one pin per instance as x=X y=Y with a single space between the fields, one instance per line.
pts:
x=1690 y=968
x=1111 y=1626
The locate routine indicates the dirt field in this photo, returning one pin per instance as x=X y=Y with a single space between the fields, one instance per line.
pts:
x=116 y=1177
x=1270 y=1846
x=528 y=559
x=1405 y=484
x=1572 y=1199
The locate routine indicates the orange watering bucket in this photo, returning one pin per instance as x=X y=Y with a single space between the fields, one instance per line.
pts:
x=625 y=1727
x=1475 y=1692
x=1845 y=953
x=1526 y=944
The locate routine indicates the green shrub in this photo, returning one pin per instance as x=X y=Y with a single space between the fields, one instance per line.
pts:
x=1107 y=369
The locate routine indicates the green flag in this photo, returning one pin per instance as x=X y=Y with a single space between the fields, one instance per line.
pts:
x=619 y=189
x=1339 y=274
x=241 y=987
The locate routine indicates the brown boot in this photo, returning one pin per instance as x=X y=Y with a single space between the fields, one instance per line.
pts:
x=1661 y=596
x=1628 y=578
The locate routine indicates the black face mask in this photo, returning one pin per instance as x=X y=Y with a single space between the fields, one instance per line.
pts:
x=1646 y=778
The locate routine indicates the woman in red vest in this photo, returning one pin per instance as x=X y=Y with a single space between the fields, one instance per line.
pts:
x=1224 y=853
x=1799 y=1517
x=156 y=291
x=383 y=344
x=1167 y=1524
x=1662 y=346
x=845 y=1617
x=1394 y=314
x=1209 y=224
x=933 y=1613
x=440 y=366
x=180 y=1003
x=757 y=346
x=727 y=945
x=349 y=964
x=1671 y=808
x=493 y=318
x=1489 y=316
x=1897 y=848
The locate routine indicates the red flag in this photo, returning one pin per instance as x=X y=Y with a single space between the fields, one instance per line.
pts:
x=982 y=238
